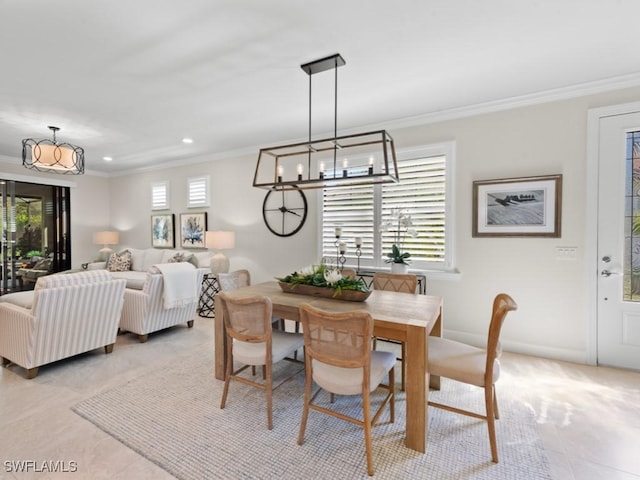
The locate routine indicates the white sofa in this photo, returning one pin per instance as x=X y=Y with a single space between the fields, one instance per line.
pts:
x=142 y=259
x=145 y=311
x=65 y=315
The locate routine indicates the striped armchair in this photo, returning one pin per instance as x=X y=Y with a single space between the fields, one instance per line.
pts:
x=69 y=314
x=144 y=310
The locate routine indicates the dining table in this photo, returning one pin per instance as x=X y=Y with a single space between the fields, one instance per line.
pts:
x=397 y=316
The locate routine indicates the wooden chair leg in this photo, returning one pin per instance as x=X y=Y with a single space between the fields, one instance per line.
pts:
x=269 y=384
x=403 y=365
x=190 y=324
x=488 y=400
x=227 y=377
x=495 y=403
x=392 y=402
x=143 y=338
x=109 y=348
x=307 y=399
x=5 y=361
x=32 y=372
x=366 y=407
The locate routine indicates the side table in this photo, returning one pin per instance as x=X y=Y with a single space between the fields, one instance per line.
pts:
x=210 y=288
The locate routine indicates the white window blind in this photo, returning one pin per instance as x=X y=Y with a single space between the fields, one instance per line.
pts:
x=159 y=195
x=198 y=191
x=423 y=193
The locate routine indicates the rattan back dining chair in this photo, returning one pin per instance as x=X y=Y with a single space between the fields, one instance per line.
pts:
x=396 y=282
x=476 y=366
x=235 y=279
x=339 y=359
x=252 y=341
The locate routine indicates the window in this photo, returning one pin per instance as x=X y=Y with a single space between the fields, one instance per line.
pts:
x=424 y=192
x=159 y=195
x=198 y=191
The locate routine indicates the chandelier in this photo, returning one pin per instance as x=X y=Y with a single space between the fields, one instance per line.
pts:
x=357 y=159
x=52 y=156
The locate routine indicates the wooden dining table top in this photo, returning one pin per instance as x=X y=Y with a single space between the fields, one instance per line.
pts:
x=392 y=308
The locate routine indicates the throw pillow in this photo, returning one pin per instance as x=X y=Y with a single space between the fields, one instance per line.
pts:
x=180 y=257
x=120 y=262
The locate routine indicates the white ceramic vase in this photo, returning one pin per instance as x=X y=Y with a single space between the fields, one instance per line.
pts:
x=401 y=268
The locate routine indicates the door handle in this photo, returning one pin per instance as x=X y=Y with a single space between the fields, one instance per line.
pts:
x=607 y=273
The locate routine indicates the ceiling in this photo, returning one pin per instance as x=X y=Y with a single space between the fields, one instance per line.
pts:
x=130 y=79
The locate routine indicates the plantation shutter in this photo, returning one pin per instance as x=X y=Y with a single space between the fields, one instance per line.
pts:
x=359 y=211
x=352 y=210
x=198 y=192
x=159 y=195
x=420 y=194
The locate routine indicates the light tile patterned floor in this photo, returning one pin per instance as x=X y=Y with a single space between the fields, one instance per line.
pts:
x=589 y=416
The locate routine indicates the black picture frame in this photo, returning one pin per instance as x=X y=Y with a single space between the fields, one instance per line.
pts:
x=163 y=231
x=192 y=229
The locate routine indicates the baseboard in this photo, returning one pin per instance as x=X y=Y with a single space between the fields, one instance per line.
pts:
x=563 y=354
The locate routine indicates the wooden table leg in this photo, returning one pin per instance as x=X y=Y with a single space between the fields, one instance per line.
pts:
x=416 y=388
x=220 y=341
x=436 y=331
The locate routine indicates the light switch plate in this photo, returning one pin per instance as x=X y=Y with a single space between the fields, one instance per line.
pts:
x=566 y=253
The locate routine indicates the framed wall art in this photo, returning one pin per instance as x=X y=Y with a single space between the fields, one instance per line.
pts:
x=518 y=207
x=192 y=229
x=162 y=231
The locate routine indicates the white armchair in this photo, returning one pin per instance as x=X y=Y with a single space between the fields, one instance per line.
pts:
x=144 y=310
x=68 y=314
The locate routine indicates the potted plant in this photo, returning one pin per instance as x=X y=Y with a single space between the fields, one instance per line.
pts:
x=400 y=225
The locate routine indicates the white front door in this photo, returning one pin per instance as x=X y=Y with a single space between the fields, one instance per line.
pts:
x=618 y=284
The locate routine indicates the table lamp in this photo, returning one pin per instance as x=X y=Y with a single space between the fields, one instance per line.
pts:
x=219 y=240
x=105 y=239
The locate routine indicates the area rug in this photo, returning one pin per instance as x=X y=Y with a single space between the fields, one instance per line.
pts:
x=172 y=417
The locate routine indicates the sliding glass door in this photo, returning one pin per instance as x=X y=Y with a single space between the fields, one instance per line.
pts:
x=35 y=225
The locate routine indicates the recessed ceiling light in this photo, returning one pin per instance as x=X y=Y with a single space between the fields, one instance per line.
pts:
x=187 y=140
x=107 y=159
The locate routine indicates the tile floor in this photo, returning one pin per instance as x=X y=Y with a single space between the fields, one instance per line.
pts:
x=589 y=417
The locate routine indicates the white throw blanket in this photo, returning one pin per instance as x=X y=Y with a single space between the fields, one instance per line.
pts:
x=179 y=283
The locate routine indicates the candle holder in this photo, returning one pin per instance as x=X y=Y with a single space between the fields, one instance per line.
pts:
x=341 y=261
x=358 y=253
x=337 y=244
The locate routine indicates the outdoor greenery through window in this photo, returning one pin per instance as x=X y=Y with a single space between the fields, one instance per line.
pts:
x=369 y=212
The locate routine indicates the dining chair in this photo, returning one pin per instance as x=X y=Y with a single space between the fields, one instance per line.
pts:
x=339 y=359
x=395 y=282
x=348 y=273
x=476 y=366
x=235 y=279
x=252 y=341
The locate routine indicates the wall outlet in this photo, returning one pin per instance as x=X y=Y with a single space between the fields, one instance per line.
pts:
x=566 y=253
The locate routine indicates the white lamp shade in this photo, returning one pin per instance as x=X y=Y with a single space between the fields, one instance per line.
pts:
x=106 y=238
x=55 y=157
x=219 y=240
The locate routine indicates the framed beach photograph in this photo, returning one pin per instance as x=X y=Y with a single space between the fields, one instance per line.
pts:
x=192 y=228
x=518 y=207
x=162 y=231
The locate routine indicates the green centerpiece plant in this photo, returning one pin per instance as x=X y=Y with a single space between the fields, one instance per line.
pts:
x=324 y=276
